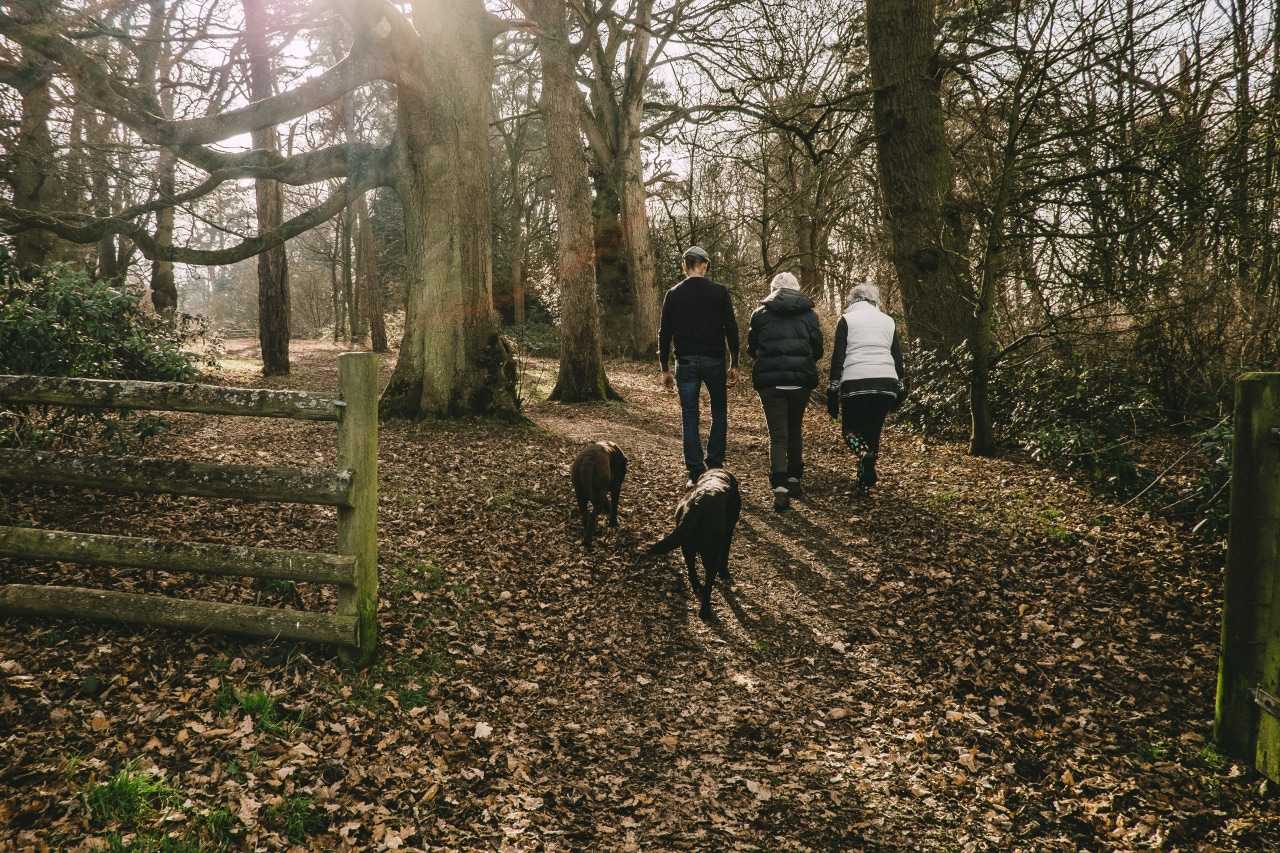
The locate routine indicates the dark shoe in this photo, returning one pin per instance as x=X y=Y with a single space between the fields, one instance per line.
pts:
x=794 y=489
x=781 y=500
x=867 y=473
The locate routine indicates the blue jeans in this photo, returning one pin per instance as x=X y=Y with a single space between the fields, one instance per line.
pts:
x=691 y=373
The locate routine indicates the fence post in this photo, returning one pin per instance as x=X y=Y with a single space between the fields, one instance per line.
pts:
x=1245 y=725
x=358 y=523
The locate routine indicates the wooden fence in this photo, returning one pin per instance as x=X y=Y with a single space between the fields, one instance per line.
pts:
x=352 y=488
x=1247 y=720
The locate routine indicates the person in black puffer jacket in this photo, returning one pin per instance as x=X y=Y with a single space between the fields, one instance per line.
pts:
x=786 y=342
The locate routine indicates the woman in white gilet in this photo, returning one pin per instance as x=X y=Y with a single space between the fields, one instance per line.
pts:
x=867 y=379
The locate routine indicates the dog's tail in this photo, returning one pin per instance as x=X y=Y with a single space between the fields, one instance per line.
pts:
x=682 y=534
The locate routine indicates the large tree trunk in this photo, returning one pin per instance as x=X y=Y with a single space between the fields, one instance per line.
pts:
x=99 y=133
x=613 y=286
x=367 y=276
x=582 y=375
x=273 y=264
x=915 y=165
x=164 y=290
x=453 y=360
x=355 y=304
x=35 y=178
x=640 y=262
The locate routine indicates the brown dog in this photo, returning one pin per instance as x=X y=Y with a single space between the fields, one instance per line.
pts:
x=705 y=521
x=597 y=476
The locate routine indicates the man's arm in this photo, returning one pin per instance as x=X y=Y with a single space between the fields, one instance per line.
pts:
x=664 y=334
x=837 y=351
x=753 y=335
x=730 y=328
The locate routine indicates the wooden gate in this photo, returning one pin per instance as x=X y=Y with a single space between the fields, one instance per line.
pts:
x=1247 y=718
x=352 y=488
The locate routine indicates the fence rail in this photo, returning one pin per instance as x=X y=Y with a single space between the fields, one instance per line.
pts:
x=352 y=488
x=98 y=549
x=168 y=397
x=177 y=477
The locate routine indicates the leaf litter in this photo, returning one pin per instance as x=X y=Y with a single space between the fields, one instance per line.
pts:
x=982 y=656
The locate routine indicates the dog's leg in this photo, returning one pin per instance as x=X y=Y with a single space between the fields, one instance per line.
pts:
x=614 y=494
x=710 y=565
x=724 y=560
x=588 y=521
x=691 y=563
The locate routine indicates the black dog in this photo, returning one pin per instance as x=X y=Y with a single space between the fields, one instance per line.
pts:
x=705 y=520
x=597 y=476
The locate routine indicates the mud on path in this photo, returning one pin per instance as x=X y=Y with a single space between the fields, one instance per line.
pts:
x=980 y=656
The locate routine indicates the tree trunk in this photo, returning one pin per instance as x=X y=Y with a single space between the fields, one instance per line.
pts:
x=582 y=375
x=640 y=262
x=35 y=180
x=355 y=306
x=914 y=165
x=369 y=285
x=517 y=277
x=453 y=360
x=273 y=264
x=164 y=290
x=99 y=133
x=612 y=281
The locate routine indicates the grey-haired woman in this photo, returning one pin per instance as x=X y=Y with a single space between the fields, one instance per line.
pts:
x=867 y=378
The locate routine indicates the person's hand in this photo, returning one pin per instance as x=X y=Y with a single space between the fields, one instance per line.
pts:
x=668 y=380
x=833 y=403
x=733 y=376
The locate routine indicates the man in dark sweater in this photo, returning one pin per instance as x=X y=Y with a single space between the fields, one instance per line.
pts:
x=697 y=316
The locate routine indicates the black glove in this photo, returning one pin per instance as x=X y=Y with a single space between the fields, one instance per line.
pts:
x=833 y=400
x=902 y=395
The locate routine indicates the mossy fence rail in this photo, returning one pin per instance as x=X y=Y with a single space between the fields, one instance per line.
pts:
x=352 y=487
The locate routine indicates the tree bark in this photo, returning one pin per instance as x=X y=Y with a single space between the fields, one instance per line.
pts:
x=367 y=282
x=99 y=133
x=613 y=284
x=582 y=376
x=273 y=264
x=453 y=360
x=640 y=261
x=164 y=290
x=35 y=180
x=915 y=165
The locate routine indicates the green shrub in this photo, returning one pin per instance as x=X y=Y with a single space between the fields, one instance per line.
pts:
x=60 y=322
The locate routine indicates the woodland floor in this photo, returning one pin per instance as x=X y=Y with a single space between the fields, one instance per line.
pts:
x=981 y=656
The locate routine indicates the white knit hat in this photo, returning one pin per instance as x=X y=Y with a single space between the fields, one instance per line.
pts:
x=784 y=281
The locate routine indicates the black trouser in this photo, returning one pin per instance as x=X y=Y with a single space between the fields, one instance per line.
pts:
x=862 y=415
x=784 y=413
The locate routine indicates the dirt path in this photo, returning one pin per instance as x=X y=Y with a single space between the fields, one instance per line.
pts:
x=980 y=657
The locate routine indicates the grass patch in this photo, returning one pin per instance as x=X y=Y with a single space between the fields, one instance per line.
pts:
x=275 y=586
x=1152 y=751
x=420 y=577
x=257 y=704
x=406 y=678
x=296 y=817
x=127 y=797
x=212 y=832
x=1211 y=758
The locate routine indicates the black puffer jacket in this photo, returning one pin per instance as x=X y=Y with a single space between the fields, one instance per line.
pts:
x=785 y=340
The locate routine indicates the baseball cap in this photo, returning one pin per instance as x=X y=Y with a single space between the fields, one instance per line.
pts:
x=697 y=252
